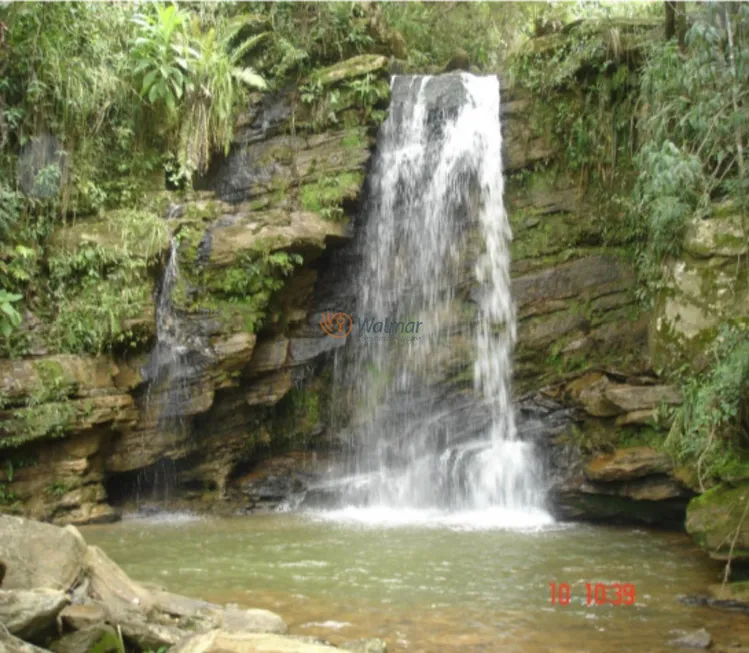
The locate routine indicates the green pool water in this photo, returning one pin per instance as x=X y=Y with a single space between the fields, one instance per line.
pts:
x=431 y=586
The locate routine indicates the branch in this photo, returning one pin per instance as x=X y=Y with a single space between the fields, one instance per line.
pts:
x=732 y=60
x=727 y=572
x=702 y=456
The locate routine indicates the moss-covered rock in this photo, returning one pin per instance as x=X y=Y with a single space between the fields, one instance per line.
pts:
x=701 y=292
x=718 y=518
x=726 y=233
x=351 y=68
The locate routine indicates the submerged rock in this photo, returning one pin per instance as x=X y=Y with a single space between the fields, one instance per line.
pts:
x=220 y=641
x=699 y=639
x=366 y=646
x=252 y=621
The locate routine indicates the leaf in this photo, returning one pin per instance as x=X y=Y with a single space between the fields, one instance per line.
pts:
x=148 y=80
x=250 y=77
x=247 y=45
x=153 y=94
x=177 y=89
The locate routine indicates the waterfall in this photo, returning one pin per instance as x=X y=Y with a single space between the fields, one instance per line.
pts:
x=435 y=253
x=167 y=396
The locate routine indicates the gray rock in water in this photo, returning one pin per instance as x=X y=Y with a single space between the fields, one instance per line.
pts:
x=40 y=555
x=252 y=621
x=28 y=613
x=366 y=646
x=220 y=641
x=698 y=639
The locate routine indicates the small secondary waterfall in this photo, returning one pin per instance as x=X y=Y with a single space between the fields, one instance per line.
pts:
x=435 y=253
x=168 y=391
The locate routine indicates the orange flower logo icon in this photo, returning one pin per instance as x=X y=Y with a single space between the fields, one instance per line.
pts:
x=336 y=325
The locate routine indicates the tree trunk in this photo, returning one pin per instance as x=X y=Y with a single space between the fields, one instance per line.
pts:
x=681 y=24
x=670 y=20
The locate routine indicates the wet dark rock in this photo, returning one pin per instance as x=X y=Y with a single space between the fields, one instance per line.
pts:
x=460 y=61
x=721 y=604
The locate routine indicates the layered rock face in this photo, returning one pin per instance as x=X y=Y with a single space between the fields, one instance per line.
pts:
x=582 y=362
x=221 y=377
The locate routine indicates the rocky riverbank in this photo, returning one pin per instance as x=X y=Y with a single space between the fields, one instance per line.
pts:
x=61 y=595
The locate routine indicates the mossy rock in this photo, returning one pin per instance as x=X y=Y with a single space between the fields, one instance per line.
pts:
x=61 y=418
x=140 y=234
x=351 y=68
x=716 y=517
x=54 y=377
x=726 y=233
x=327 y=195
x=700 y=295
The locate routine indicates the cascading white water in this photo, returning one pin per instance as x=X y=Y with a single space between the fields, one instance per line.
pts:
x=436 y=250
x=168 y=391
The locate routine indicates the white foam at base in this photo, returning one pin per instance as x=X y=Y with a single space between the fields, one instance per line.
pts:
x=495 y=518
x=165 y=518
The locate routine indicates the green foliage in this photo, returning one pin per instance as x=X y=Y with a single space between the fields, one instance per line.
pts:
x=7 y=496
x=694 y=126
x=57 y=489
x=9 y=316
x=49 y=420
x=711 y=430
x=326 y=195
x=355 y=101
x=254 y=275
x=88 y=90
x=242 y=291
x=296 y=416
x=101 y=288
x=216 y=90
x=584 y=88
x=160 y=55
x=306 y=36
x=196 y=74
